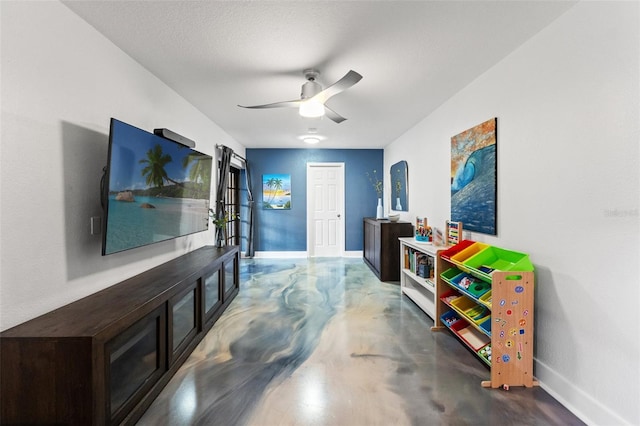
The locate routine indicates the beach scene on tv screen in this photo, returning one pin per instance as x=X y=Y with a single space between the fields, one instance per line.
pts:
x=158 y=189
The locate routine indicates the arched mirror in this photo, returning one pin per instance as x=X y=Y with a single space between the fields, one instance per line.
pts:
x=399 y=189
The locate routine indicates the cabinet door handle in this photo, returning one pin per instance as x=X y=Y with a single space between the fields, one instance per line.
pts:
x=338 y=214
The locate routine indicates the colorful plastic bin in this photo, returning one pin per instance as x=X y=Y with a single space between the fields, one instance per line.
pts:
x=486 y=326
x=449 y=318
x=478 y=314
x=485 y=353
x=450 y=295
x=472 y=337
x=450 y=274
x=479 y=288
x=463 y=304
x=466 y=253
x=476 y=288
x=456 y=249
x=471 y=310
x=486 y=298
x=484 y=262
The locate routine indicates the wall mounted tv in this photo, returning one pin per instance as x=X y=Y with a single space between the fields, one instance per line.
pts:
x=154 y=189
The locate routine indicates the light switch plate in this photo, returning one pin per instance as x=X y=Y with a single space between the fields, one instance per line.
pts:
x=96 y=225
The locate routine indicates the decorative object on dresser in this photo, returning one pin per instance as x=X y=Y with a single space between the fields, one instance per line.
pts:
x=104 y=358
x=470 y=276
x=381 y=246
x=377 y=186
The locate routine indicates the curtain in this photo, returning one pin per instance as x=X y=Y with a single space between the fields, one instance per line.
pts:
x=221 y=190
x=250 y=252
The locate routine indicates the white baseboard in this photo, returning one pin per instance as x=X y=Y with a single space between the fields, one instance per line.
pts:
x=582 y=405
x=354 y=253
x=280 y=254
x=297 y=254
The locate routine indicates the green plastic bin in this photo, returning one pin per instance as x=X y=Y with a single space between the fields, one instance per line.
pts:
x=483 y=263
x=450 y=274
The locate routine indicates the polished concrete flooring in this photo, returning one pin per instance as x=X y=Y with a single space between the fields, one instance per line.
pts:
x=323 y=342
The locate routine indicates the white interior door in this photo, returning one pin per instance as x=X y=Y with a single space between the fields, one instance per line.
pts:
x=325 y=209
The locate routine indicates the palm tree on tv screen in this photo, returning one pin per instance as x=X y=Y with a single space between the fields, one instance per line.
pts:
x=154 y=170
x=200 y=172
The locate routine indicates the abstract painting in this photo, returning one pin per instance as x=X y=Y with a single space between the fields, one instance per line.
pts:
x=474 y=178
x=276 y=191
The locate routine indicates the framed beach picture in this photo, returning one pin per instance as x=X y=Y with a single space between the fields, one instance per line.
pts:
x=474 y=178
x=276 y=191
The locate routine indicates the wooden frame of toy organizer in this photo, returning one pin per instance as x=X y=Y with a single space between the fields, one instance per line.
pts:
x=511 y=319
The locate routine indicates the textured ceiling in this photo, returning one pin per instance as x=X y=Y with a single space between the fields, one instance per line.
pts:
x=413 y=56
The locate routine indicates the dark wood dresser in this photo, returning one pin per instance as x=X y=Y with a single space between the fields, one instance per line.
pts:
x=381 y=248
x=102 y=360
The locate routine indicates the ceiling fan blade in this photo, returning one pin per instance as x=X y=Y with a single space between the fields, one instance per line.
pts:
x=284 y=104
x=333 y=115
x=344 y=83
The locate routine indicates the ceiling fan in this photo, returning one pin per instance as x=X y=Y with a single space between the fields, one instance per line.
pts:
x=313 y=97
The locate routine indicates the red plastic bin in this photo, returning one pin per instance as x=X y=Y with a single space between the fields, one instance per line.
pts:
x=456 y=249
x=472 y=337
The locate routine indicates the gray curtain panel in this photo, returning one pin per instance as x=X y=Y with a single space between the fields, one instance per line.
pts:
x=223 y=181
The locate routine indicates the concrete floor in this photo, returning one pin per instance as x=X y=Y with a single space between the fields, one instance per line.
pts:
x=324 y=342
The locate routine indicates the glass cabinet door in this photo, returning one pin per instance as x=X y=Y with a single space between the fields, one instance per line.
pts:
x=136 y=359
x=212 y=294
x=230 y=275
x=183 y=319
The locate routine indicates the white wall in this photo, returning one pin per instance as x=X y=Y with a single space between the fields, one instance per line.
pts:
x=567 y=103
x=61 y=82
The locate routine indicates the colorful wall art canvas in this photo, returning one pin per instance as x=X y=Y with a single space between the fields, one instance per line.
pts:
x=276 y=191
x=474 y=178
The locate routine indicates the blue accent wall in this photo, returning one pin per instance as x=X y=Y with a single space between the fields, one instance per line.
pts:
x=286 y=230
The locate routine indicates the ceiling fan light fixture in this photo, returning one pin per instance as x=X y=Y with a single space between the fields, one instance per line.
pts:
x=311 y=108
x=313 y=97
x=312 y=137
x=311 y=140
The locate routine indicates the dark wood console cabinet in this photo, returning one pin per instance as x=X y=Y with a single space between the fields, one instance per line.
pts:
x=104 y=358
x=381 y=247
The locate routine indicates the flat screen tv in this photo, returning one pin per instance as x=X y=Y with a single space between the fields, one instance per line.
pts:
x=154 y=189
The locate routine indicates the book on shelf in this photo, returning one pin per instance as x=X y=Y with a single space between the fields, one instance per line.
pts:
x=422 y=268
x=406 y=257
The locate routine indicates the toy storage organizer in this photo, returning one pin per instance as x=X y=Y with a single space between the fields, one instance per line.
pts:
x=485 y=298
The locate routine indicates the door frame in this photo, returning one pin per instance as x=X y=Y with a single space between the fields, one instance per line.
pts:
x=311 y=193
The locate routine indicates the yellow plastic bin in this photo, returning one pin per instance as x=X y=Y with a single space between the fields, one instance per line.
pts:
x=486 y=298
x=465 y=254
